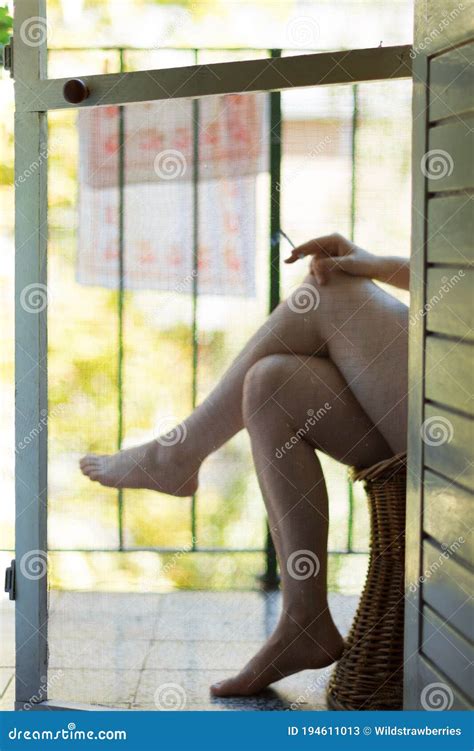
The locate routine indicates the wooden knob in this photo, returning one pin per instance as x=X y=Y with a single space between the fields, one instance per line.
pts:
x=75 y=91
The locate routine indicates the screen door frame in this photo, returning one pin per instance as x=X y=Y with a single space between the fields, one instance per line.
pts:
x=35 y=95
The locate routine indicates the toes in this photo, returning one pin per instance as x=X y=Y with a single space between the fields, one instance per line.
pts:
x=92 y=465
x=88 y=461
x=217 y=688
x=88 y=458
x=231 y=687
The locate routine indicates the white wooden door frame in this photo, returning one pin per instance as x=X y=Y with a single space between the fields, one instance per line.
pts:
x=35 y=95
x=30 y=370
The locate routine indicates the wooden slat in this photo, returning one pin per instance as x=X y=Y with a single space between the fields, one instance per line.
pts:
x=451 y=229
x=416 y=388
x=449 y=444
x=447 y=585
x=348 y=66
x=447 y=513
x=450 y=302
x=448 y=650
x=452 y=83
x=429 y=680
x=450 y=373
x=450 y=165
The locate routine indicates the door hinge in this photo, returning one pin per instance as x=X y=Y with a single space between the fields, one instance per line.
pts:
x=10 y=581
x=7 y=56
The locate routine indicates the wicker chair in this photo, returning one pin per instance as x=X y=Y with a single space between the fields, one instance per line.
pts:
x=369 y=674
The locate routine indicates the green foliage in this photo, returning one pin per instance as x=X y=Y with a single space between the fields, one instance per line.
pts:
x=6 y=25
x=6 y=174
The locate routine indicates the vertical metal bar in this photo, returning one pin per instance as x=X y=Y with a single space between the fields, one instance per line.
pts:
x=350 y=523
x=355 y=117
x=270 y=579
x=195 y=284
x=275 y=179
x=31 y=379
x=121 y=294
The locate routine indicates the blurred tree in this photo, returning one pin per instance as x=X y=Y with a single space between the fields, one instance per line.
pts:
x=6 y=22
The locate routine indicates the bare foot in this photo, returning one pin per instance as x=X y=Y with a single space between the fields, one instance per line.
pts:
x=154 y=465
x=290 y=649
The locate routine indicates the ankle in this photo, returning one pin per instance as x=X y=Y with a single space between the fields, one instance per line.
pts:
x=175 y=447
x=308 y=619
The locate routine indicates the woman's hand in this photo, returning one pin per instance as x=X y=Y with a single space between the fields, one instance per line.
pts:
x=335 y=252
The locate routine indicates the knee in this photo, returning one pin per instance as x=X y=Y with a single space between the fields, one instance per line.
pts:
x=263 y=381
x=340 y=287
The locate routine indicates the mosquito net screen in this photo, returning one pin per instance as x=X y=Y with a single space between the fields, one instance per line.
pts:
x=159 y=272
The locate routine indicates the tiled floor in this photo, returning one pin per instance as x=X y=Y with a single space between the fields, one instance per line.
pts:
x=162 y=651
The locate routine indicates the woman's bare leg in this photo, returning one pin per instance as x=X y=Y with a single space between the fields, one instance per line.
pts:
x=362 y=329
x=293 y=405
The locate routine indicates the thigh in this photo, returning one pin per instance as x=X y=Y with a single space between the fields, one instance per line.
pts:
x=363 y=329
x=311 y=396
x=365 y=333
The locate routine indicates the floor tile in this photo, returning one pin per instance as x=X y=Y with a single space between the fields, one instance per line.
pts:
x=171 y=689
x=217 y=619
x=189 y=690
x=100 y=641
x=7 y=701
x=7 y=633
x=343 y=608
x=102 y=628
x=82 y=605
x=96 y=686
x=6 y=675
x=113 y=654
x=195 y=655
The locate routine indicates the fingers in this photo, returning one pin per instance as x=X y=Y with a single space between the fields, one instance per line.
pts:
x=295 y=255
x=321 y=268
x=320 y=247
